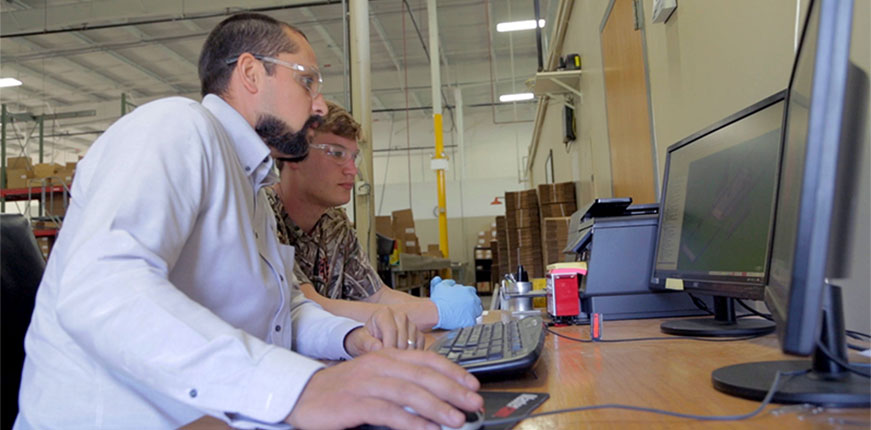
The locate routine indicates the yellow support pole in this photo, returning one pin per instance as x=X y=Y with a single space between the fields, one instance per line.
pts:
x=440 y=181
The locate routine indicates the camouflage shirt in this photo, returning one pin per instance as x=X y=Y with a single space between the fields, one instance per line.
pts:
x=329 y=257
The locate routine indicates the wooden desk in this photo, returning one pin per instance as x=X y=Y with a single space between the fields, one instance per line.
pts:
x=674 y=375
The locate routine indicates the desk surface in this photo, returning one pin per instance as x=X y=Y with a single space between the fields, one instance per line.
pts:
x=674 y=375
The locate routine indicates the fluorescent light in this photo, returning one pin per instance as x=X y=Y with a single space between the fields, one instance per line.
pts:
x=515 y=97
x=518 y=25
x=9 y=82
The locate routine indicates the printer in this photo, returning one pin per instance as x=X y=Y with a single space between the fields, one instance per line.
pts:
x=616 y=239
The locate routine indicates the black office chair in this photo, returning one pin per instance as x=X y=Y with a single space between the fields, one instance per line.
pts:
x=21 y=267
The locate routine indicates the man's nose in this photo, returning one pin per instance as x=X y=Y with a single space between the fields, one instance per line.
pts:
x=319 y=106
x=350 y=167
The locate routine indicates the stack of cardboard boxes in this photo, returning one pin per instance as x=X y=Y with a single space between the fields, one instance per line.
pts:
x=557 y=206
x=557 y=200
x=484 y=262
x=524 y=232
x=19 y=171
x=404 y=233
x=433 y=250
x=556 y=233
x=22 y=173
x=502 y=242
x=495 y=275
x=384 y=226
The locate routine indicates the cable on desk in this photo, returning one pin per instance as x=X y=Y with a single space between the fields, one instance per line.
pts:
x=858 y=335
x=754 y=311
x=856 y=347
x=843 y=363
x=637 y=339
x=700 y=304
x=765 y=402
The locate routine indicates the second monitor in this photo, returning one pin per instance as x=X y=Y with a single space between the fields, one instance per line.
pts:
x=716 y=216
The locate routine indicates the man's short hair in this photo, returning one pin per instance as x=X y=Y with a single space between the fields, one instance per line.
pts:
x=337 y=121
x=244 y=32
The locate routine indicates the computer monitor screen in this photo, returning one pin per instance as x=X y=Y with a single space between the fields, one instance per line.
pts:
x=824 y=121
x=715 y=217
x=717 y=205
x=822 y=129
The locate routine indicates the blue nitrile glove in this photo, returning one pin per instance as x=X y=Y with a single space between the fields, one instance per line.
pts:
x=458 y=305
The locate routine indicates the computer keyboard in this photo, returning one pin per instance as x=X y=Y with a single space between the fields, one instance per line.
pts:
x=494 y=349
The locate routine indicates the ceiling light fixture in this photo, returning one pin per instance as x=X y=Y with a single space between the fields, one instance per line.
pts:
x=9 y=82
x=505 y=98
x=502 y=27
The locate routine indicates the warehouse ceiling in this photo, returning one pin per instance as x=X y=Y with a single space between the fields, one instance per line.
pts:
x=78 y=60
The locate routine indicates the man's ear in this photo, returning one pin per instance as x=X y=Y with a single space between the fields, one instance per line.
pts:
x=249 y=72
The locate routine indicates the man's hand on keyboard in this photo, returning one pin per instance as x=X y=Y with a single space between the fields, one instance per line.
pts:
x=373 y=389
x=394 y=329
x=458 y=305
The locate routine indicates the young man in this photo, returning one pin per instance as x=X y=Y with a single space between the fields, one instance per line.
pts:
x=332 y=268
x=168 y=296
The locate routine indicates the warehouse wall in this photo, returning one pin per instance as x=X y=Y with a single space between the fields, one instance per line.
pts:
x=709 y=60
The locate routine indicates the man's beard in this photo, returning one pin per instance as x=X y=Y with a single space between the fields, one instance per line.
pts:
x=277 y=134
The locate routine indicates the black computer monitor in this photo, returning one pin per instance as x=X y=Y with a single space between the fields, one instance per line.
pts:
x=715 y=217
x=824 y=125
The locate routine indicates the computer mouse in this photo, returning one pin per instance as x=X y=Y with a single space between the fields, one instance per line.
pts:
x=474 y=420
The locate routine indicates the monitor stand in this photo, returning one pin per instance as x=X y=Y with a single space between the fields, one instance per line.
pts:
x=723 y=324
x=824 y=382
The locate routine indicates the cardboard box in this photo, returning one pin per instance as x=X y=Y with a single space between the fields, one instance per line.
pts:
x=404 y=217
x=523 y=218
x=403 y=225
x=384 y=225
x=18 y=178
x=563 y=192
x=46 y=170
x=410 y=246
x=524 y=247
x=45 y=243
x=19 y=163
x=553 y=210
x=434 y=251
x=496 y=266
x=555 y=238
x=520 y=200
x=55 y=204
x=65 y=175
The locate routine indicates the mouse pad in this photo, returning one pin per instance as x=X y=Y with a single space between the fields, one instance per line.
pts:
x=506 y=404
x=497 y=405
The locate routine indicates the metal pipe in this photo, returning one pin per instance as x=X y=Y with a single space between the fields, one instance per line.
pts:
x=538 y=35
x=41 y=140
x=3 y=155
x=225 y=12
x=473 y=105
x=440 y=160
x=411 y=148
x=361 y=107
